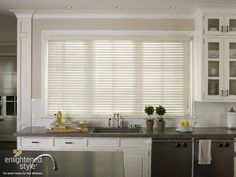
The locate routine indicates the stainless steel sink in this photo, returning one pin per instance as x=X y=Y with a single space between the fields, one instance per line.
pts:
x=117 y=130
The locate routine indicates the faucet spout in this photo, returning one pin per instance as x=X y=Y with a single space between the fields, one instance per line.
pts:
x=41 y=156
x=117 y=117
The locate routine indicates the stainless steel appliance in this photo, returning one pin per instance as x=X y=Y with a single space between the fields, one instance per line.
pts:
x=63 y=164
x=222 y=163
x=171 y=158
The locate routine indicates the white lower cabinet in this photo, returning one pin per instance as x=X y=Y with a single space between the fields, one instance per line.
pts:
x=103 y=144
x=35 y=143
x=136 y=162
x=137 y=151
x=71 y=144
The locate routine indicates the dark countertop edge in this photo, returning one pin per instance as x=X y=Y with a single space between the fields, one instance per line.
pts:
x=130 y=135
x=168 y=133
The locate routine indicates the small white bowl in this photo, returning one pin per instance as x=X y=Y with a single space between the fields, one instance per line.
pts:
x=212 y=29
x=184 y=128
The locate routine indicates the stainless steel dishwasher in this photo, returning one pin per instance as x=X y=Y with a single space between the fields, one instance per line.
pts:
x=222 y=163
x=171 y=158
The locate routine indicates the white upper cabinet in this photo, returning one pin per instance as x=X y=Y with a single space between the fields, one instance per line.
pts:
x=213 y=24
x=230 y=23
x=215 y=56
x=219 y=24
x=230 y=68
x=220 y=68
x=214 y=64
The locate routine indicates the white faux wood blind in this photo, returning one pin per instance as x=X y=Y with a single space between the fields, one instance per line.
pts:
x=99 y=77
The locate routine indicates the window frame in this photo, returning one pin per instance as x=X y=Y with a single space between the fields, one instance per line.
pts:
x=133 y=34
x=3 y=103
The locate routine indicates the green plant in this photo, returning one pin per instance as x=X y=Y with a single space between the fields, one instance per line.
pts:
x=149 y=110
x=160 y=112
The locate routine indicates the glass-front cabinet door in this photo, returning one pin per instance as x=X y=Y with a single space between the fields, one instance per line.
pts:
x=213 y=24
x=214 y=68
x=230 y=24
x=230 y=68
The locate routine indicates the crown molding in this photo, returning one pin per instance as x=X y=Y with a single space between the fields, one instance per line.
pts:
x=23 y=13
x=213 y=8
x=65 y=14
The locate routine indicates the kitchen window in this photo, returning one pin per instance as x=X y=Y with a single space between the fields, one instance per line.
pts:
x=103 y=76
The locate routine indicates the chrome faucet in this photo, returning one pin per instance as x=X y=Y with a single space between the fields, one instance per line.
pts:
x=117 y=117
x=41 y=156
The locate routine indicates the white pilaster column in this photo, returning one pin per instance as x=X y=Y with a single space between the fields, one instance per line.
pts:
x=24 y=50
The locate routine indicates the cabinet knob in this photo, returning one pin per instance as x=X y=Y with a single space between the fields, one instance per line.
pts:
x=178 y=145
x=184 y=145
x=220 y=145
x=226 y=145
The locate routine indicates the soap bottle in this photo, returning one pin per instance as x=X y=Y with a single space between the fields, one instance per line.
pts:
x=59 y=117
x=231 y=118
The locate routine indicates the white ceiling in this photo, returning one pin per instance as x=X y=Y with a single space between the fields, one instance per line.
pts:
x=154 y=5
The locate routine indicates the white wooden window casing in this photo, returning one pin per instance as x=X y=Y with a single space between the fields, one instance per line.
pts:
x=103 y=76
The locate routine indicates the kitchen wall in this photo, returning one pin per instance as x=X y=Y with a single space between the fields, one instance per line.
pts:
x=208 y=114
x=95 y=24
x=8 y=31
x=212 y=114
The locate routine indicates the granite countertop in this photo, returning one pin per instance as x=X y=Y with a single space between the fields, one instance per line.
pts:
x=8 y=130
x=167 y=133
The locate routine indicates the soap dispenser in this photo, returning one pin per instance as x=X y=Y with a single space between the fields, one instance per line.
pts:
x=59 y=117
x=231 y=118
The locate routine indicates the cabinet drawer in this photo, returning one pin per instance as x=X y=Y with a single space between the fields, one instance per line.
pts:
x=102 y=143
x=135 y=143
x=70 y=143
x=36 y=143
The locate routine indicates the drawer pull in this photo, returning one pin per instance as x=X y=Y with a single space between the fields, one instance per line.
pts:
x=68 y=142
x=35 y=142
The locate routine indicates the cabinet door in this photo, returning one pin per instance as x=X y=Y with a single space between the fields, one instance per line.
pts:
x=230 y=69
x=136 y=162
x=213 y=69
x=213 y=24
x=230 y=24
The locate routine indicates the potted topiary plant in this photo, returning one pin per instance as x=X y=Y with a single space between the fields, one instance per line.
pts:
x=149 y=110
x=160 y=119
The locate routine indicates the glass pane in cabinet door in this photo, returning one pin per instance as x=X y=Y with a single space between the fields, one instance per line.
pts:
x=232 y=87
x=232 y=68
x=232 y=24
x=213 y=50
x=213 y=24
x=232 y=50
x=213 y=87
x=213 y=69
